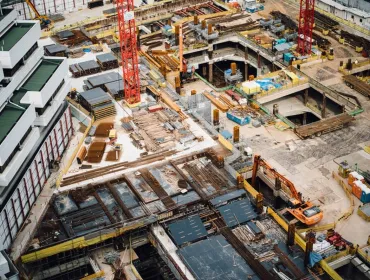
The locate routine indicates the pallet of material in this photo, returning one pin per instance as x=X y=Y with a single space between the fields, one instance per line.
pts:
x=102 y=130
x=107 y=61
x=115 y=89
x=104 y=111
x=96 y=152
x=84 y=68
x=357 y=85
x=103 y=79
x=113 y=155
x=324 y=126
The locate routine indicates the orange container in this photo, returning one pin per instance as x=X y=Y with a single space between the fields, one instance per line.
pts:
x=354 y=176
x=356 y=189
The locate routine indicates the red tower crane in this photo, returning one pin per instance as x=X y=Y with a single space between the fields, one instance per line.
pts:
x=305 y=26
x=130 y=64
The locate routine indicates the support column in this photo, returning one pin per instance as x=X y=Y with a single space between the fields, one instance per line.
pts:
x=305 y=97
x=246 y=70
x=8 y=225
x=210 y=72
x=204 y=70
x=246 y=53
x=14 y=213
x=210 y=51
x=21 y=203
x=304 y=119
x=259 y=203
x=27 y=195
x=309 y=247
x=259 y=63
x=291 y=234
x=323 y=109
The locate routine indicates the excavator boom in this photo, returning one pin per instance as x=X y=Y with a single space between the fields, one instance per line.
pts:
x=305 y=212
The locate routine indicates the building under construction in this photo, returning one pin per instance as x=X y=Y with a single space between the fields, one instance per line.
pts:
x=197 y=140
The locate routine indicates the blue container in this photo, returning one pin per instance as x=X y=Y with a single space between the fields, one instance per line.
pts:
x=280 y=41
x=365 y=197
x=226 y=134
x=239 y=120
x=288 y=57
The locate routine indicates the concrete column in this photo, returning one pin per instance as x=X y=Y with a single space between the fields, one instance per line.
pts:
x=151 y=27
x=323 y=109
x=246 y=70
x=246 y=53
x=304 y=118
x=259 y=62
x=259 y=72
x=305 y=98
x=204 y=70
x=210 y=51
x=210 y=72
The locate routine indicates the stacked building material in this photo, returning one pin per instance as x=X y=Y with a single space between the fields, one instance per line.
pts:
x=107 y=61
x=115 y=89
x=84 y=68
x=98 y=102
x=56 y=50
x=100 y=81
x=96 y=152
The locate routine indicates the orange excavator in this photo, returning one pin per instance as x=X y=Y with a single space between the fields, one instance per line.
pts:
x=304 y=211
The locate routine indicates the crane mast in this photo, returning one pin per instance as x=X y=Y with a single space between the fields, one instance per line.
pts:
x=305 y=26
x=128 y=46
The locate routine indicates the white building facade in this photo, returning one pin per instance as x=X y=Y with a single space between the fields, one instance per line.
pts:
x=35 y=119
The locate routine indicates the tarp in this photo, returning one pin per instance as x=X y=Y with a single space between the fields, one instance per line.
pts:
x=314 y=258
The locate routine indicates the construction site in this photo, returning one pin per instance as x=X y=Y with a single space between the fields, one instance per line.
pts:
x=208 y=140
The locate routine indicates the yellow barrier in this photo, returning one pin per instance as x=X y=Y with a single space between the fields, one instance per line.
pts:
x=364 y=255
x=318 y=228
x=72 y=157
x=225 y=143
x=77 y=243
x=250 y=189
x=337 y=256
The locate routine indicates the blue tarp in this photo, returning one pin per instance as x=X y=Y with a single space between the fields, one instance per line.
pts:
x=314 y=258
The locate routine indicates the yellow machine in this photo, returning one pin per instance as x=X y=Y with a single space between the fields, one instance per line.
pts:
x=331 y=54
x=44 y=20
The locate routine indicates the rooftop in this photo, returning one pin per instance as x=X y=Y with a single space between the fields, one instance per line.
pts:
x=8 y=118
x=41 y=75
x=14 y=34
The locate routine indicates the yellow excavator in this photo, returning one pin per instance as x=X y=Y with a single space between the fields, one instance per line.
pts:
x=45 y=22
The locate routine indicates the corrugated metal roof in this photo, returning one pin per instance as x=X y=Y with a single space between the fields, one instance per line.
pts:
x=187 y=230
x=237 y=212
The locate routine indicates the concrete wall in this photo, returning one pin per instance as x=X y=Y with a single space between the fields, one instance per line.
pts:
x=10 y=58
x=18 y=206
x=359 y=4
